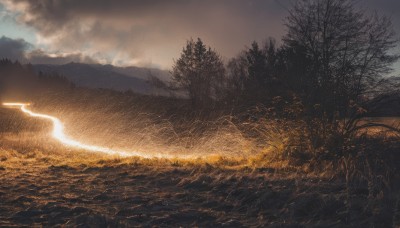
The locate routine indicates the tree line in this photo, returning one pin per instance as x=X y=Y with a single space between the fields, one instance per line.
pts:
x=19 y=82
x=333 y=57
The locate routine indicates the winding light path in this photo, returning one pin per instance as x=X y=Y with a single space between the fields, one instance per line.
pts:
x=58 y=133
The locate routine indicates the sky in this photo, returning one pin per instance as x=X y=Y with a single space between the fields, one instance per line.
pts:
x=148 y=33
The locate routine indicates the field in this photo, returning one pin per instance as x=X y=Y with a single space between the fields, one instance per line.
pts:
x=109 y=117
x=45 y=183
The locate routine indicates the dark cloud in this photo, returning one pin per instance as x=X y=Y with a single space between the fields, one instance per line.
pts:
x=19 y=49
x=13 y=49
x=152 y=32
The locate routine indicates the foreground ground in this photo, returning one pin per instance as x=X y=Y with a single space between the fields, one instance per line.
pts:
x=98 y=191
x=148 y=195
x=138 y=195
x=43 y=183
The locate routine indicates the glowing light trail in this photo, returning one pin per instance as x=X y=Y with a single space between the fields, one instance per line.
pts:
x=58 y=133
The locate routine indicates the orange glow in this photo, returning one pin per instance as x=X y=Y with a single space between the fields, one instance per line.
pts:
x=58 y=133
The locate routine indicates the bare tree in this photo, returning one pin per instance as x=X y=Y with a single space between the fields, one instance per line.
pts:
x=347 y=52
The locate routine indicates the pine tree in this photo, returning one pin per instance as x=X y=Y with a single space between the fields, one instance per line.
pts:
x=200 y=72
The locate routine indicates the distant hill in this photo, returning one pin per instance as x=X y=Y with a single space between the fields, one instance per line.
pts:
x=388 y=103
x=385 y=105
x=108 y=76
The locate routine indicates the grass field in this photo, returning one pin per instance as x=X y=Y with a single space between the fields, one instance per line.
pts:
x=44 y=183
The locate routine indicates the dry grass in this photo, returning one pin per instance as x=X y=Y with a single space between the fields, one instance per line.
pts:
x=379 y=131
x=245 y=176
x=54 y=186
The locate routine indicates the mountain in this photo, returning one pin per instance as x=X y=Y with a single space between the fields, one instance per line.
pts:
x=108 y=76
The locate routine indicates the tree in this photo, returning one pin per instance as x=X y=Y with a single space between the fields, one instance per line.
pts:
x=335 y=55
x=257 y=66
x=251 y=73
x=345 y=51
x=200 y=72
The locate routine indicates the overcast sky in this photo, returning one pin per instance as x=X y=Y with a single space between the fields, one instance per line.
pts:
x=142 y=33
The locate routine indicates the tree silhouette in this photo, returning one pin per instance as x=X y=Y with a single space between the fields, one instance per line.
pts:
x=252 y=72
x=200 y=72
x=21 y=82
x=257 y=69
x=336 y=53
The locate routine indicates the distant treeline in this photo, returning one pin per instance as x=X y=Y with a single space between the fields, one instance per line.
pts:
x=20 y=82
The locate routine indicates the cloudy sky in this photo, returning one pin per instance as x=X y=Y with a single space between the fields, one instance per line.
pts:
x=142 y=33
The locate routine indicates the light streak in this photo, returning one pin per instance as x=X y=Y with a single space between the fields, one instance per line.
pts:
x=58 y=133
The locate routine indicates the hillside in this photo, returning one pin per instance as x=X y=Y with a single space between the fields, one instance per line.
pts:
x=47 y=184
x=388 y=102
x=107 y=76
